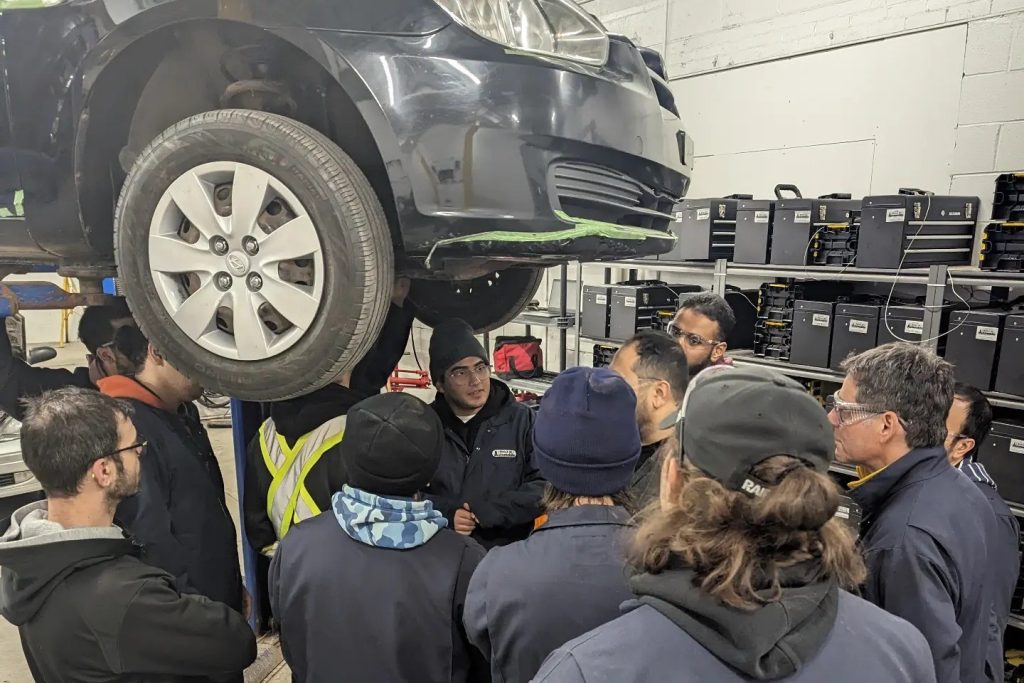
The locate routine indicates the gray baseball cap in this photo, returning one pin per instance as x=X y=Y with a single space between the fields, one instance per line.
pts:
x=737 y=419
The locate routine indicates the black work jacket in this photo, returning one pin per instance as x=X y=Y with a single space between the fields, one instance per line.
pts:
x=496 y=474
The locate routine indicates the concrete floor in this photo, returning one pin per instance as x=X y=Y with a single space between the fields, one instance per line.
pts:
x=12 y=662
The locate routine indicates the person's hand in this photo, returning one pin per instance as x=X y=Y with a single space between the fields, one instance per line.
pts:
x=246 y=604
x=465 y=521
x=401 y=290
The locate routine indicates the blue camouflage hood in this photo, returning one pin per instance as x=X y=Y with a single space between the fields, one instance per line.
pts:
x=395 y=523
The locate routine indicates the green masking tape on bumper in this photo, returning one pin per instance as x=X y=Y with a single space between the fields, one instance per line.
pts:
x=581 y=227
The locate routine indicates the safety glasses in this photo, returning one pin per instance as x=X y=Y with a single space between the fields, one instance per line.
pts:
x=848 y=413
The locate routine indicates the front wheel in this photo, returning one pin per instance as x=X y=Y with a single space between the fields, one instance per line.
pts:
x=254 y=254
x=486 y=302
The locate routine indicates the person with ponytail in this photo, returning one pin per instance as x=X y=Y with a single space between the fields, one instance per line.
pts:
x=742 y=572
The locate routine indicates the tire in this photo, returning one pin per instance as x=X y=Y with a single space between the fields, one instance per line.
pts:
x=308 y=304
x=486 y=302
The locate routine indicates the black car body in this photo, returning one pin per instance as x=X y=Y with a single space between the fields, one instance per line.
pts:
x=480 y=155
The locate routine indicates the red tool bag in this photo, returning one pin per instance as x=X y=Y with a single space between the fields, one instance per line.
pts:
x=518 y=357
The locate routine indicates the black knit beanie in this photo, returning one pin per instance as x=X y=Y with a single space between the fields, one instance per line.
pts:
x=452 y=341
x=392 y=445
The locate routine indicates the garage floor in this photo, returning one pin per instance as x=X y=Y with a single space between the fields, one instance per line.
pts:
x=12 y=662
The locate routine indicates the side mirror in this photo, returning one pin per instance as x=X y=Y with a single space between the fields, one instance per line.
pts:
x=41 y=354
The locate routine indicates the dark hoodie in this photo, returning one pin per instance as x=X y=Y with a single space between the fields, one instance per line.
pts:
x=676 y=632
x=88 y=610
x=293 y=419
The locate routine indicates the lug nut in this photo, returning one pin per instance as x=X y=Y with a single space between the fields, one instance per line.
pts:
x=219 y=245
x=251 y=246
x=254 y=281
x=222 y=281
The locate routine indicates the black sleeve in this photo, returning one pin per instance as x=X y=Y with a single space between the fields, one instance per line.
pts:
x=258 y=528
x=19 y=380
x=147 y=517
x=184 y=635
x=479 y=668
x=522 y=505
x=372 y=372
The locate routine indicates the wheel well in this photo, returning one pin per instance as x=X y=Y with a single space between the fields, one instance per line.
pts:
x=198 y=66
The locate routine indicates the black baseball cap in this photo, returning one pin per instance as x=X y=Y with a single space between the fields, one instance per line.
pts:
x=737 y=419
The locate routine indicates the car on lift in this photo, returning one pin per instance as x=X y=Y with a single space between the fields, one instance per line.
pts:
x=257 y=173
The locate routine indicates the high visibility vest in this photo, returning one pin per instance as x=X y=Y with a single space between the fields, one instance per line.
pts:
x=288 y=501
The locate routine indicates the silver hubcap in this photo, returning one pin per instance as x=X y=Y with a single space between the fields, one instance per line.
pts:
x=236 y=261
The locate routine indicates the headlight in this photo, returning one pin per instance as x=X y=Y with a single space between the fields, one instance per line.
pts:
x=552 y=27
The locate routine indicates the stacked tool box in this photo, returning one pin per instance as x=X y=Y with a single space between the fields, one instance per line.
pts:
x=905 y=323
x=773 y=331
x=1002 y=246
x=595 y=311
x=1010 y=371
x=705 y=229
x=603 y=355
x=836 y=243
x=799 y=222
x=915 y=229
x=972 y=345
x=753 y=230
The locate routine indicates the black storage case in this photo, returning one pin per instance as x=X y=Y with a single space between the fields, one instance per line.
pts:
x=799 y=222
x=1010 y=370
x=1002 y=454
x=836 y=243
x=705 y=229
x=906 y=324
x=753 y=230
x=634 y=305
x=595 y=311
x=973 y=344
x=917 y=230
x=773 y=339
x=812 y=333
x=855 y=329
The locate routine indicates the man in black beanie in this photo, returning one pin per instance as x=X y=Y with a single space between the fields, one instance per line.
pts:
x=487 y=484
x=375 y=587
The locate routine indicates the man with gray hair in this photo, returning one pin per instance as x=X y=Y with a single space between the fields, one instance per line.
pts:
x=925 y=525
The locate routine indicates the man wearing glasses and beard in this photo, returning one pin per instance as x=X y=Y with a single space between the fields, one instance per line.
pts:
x=487 y=484
x=702 y=325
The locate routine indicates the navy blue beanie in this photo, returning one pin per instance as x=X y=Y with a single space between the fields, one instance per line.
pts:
x=585 y=437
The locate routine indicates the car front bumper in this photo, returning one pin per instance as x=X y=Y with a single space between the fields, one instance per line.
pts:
x=499 y=147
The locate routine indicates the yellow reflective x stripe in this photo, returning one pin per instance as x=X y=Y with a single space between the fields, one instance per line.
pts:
x=290 y=454
x=300 y=489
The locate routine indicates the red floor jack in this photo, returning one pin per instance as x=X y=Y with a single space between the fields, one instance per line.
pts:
x=401 y=380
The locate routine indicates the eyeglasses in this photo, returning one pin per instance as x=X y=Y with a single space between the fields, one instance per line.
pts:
x=848 y=413
x=692 y=339
x=138 y=447
x=462 y=376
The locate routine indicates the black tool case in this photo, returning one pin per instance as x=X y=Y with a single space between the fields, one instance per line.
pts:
x=799 y=222
x=753 y=230
x=906 y=323
x=595 y=311
x=1002 y=454
x=855 y=330
x=603 y=355
x=1010 y=368
x=705 y=229
x=916 y=229
x=634 y=305
x=972 y=345
x=1008 y=200
x=812 y=333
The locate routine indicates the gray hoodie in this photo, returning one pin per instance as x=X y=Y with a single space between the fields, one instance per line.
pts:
x=88 y=610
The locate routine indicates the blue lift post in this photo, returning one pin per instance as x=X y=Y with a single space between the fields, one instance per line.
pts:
x=42 y=296
x=246 y=418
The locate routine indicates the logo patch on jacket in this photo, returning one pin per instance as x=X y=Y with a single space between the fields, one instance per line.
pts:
x=504 y=453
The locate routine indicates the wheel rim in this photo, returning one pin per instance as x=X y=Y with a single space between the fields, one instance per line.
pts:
x=236 y=261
